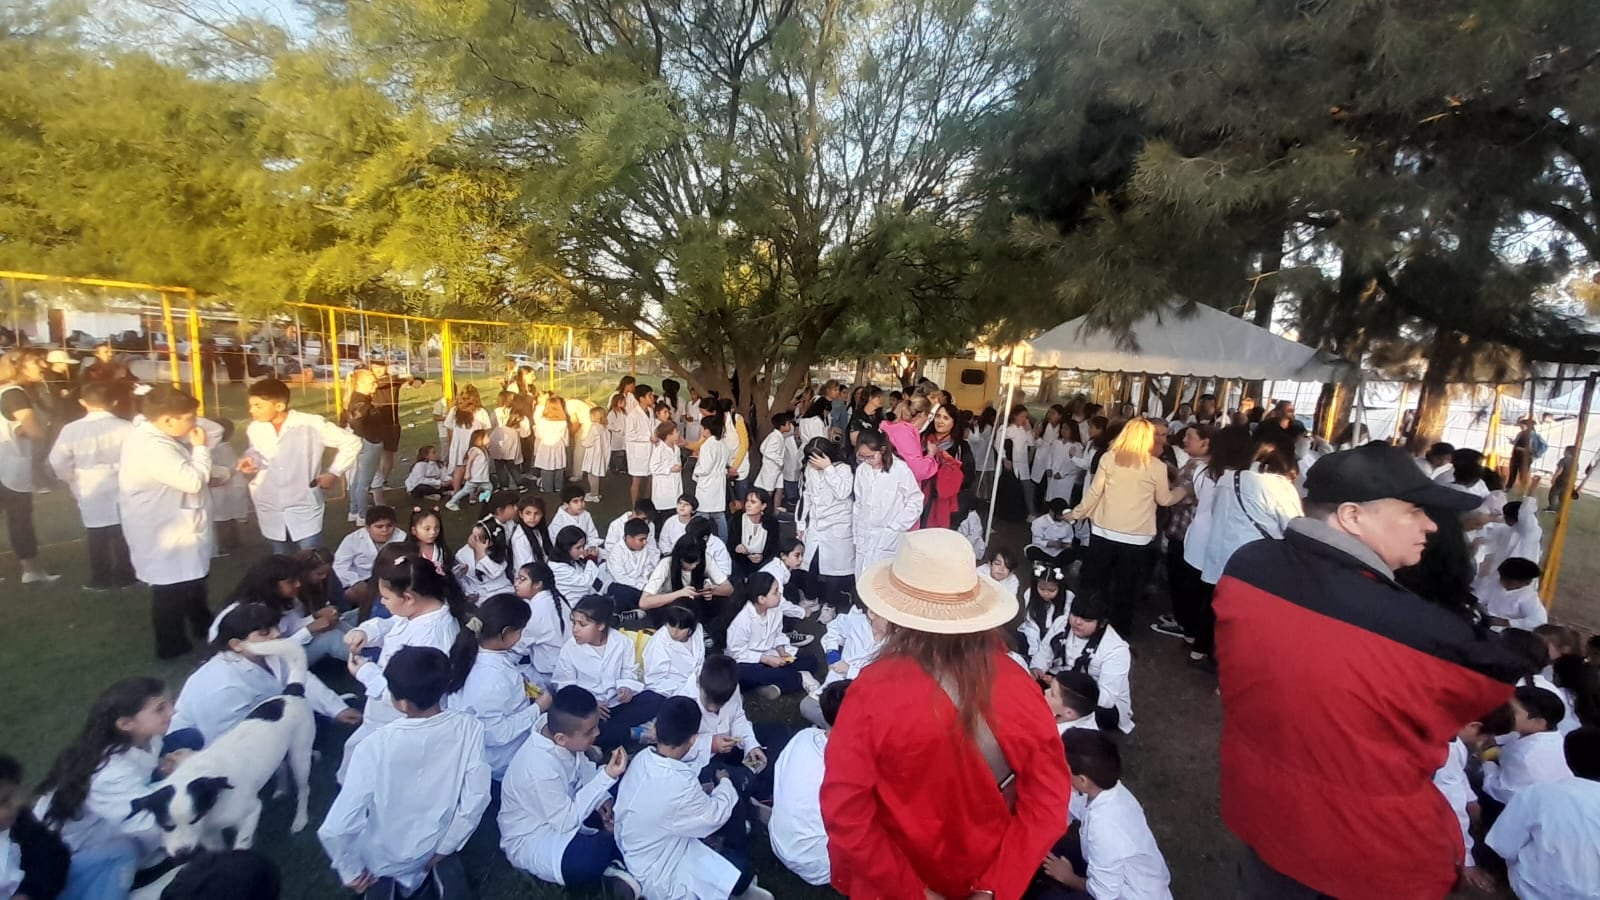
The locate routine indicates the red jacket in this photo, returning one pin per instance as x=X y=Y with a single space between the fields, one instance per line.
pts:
x=909 y=802
x=1341 y=691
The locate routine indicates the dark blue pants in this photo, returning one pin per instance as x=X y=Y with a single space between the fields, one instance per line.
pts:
x=732 y=840
x=786 y=677
x=623 y=596
x=586 y=858
x=614 y=730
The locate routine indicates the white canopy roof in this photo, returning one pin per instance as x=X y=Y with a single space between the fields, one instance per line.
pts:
x=1202 y=342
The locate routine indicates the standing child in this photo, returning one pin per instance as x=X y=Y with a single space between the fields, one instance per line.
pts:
x=552 y=791
x=825 y=524
x=86 y=456
x=551 y=434
x=664 y=815
x=676 y=652
x=496 y=692
x=666 y=469
x=426 y=479
x=1549 y=834
x=711 y=475
x=230 y=491
x=1120 y=854
x=475 y=465
x=573 y=512
x=353 y=561
x=33 y=860
x=511 y=428
x=596 y=452
x=756 y=641
x=638 y=428
x=414 y=792
x=466 y=419
x=604 y=663
x=481 y=564
x=548 y=612
x=799 y=840
x=770 y=477
x=441 y=410
x=1084 y=641
x=285 y=464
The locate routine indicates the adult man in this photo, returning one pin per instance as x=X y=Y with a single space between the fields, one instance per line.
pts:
x=834 y=392
x=1280 y=429
x=1341 y=690
x=386 y=412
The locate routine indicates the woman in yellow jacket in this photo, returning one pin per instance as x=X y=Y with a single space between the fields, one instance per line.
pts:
x=1120 y=504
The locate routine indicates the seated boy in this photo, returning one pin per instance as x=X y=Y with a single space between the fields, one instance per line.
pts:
x=1052 y=533
x=799 y=840
x=643 y=510
x=725 y=737
x=1536 y=755
x=1512 y=601
x=352 y=562
x=1072 y=696
x=1549 y=834
x=664 y=816
x=33 y=860
x=629 y=564
x=1120 y=856
x=414 y=790
x=572 y=512
x=552 y=789
x=426 y=478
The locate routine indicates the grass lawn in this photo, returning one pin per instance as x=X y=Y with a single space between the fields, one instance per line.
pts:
x=61 y=646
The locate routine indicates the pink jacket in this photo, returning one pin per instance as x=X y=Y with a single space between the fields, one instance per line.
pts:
x=907 y=442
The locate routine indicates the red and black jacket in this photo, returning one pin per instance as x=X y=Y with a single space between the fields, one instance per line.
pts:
x=1341 y=691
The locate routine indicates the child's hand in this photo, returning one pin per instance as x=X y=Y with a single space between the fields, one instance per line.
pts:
x=348 y=717
x=840 y=667
x=172 y=760
x=740 y=550
x=605 y=712
x=363 y=882
x=756 y=759
x=722 y=743
x=624 y=695
x=247 y=466
x=1059 y=869
x=355 y=641
x=618 y=763
x=544 y=700
x=773 y=660
x=354 y=664
x=327 y=480
x=677 y=468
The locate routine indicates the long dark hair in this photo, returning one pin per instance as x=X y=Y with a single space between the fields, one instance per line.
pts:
x=1047 y=571
x=241 y=622
x=962 y=662
x=567 y=538
x=1571 y=673
x=687 y=553
x=539 y=573
x=315 y=595
x=99 y=740
x=538 y=535
x=873 y=439
x=1232 y=450
x=418 y=513
x=260 y=582
x=403 y=571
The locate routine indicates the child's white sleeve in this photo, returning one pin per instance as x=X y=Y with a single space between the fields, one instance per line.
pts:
x=344 y=561
x=112 y=791
x=503 y=711
x=473 y=799
x=322 y=698
x=1037 y=529
x=1491 y=780
x=1513 y=829
x=1042 y=653
x=657 y=660
x=739 y=727
x=1530 y=613
x=741 y=643
x=566 y=673
x=347 y=817
x=833 y=634
x=1105 y=862
x=377 y=629
x=625 y=665
x=1115 y=688
x=698 y=814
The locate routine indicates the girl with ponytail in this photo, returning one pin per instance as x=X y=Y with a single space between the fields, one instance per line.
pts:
x=546 y=629
x=494 y=689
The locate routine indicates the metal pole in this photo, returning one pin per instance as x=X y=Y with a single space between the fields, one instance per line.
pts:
x=333 y=358
x=1002 y=422
x=16 y=324
x=1558 y=540
x=196 y=369
x=1489 y=443
x=172 y=340
x=633 y=355
x=550 y=364
x=447 y=376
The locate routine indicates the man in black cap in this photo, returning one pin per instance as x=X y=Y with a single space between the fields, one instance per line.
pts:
x=1342 y=690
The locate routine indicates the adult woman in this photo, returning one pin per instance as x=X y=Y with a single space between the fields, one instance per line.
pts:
x=361 y=418
x=1255 y=498
x=1120 y=504
x=946 y=443
x=905 y=432
x=20 y=426
x=866 y=410
x=888 y=502
x=1189 y=597
x=1012 y=502
x=469 y=416
x=824 y=526
x=944 y=774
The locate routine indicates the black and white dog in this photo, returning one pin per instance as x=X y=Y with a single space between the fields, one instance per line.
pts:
x=219 y=787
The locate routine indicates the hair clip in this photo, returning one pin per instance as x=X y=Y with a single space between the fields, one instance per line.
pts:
x=474 y=624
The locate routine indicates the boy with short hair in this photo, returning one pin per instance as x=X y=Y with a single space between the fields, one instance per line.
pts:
x=664 y=814
x=33 y=859
x=352 y=563
x=285 y=461
x=770 y=476
x=1072 y=697
x=572 y=512
x=799 y=840
x=426 y=479
x=1120 y=855
x=1513 y=600
x=726 y=736
x=86 y=456
x=1549 y=834
x=552 y=789
x=629 y=564
x=414 y=791
x=1536 y=755
x=643 y=509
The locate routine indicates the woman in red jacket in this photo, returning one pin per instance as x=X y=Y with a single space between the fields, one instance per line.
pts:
x=945 y=775
x=945 y=442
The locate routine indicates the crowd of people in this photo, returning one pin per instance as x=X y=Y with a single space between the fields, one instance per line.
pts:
x=963 y=697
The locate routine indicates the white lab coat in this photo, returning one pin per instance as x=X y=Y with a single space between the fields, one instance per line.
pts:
x=596 y=450
x=730 y=720
x=666 y=486
x=123 y=778
x=1270 y=501
x=672 y=666
x=1451 y=780
x=825 y=517
x=288 y=504
x=671 y=530
x=86 y=457
x=223 y=691
x=971 y=528
x=1548 y=835
x=1029 y=630
x=426 y=472
x=415 y=789
x=1021 y=439
x=496 y=694
x=505 y=439
x=482 y=578
x=461 y=437
x=851 y=635
x=582 y=521
x=1503 y=541
x=545 y=797
x=437 y=629
x=753 y=634
x=791 y=459
x=574 y=580
x=550 y=437
x=1528 y=760
x=710 y=477
x=603 y=670
x=730 y=440
x=162 y=492
x=230 y=488
x=1064 y=459
x=353 y=561
x=887 y=505
x=662 y=815
x=615 y=530
x=546 y=632
x=1119 y=850
x=1110 y=665
x=799 y=840
x=11 y=873
x=1520 y=608
x=771 y=475
x=632 y=567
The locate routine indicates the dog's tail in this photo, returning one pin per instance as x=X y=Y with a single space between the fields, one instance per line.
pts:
x=292 y=653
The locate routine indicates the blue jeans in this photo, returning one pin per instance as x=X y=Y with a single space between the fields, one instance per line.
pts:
x=550 y=480
x=472 y=489
x=718 y=518
x=290 y=548
x=103 y=873
x=367 y=465
x=586 y=858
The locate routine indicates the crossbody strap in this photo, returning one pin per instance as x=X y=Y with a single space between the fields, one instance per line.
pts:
x=989 y=748
x=1238 y=494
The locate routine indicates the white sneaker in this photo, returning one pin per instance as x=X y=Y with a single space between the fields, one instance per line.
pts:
x=617 y=884
x=361 y=521
x=828 y=614
x=812 y=607
x=40 y=577
x=769 y=692
x=452 y=507
x=812 y=685
x=755 y=892
x=350 y=517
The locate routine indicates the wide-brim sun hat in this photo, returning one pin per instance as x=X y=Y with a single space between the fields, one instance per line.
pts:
x=931 y=585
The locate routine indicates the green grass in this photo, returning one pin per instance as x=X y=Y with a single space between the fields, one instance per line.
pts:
x=60 y=647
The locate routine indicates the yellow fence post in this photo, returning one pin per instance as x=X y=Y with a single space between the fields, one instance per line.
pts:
x=332 y=351
x=1489 y=442
x=196 y=360
x=1558 y=541
x=447 y=377
x=172 y=341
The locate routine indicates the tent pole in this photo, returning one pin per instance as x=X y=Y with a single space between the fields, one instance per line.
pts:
x=1002 y=422
x=1558 y=541
x=1399 y=436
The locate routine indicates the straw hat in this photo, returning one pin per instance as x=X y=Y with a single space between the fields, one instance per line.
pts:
x=931 y=585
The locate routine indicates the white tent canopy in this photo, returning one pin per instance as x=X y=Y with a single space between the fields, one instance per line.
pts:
x=1197 y=341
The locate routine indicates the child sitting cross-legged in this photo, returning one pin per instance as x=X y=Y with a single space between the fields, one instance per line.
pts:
x=496 y=691
x=1072 y=697
x=675 y=653
x=1119 y=854
x=1549 y=834
x=427 y=476
x=726 y=737
x=799 y=840
x=604 y=663
x=1535 y=756
x=551 y=793
x=664 y=815
x=414 y=790
x=767 y=661
x=851 y=642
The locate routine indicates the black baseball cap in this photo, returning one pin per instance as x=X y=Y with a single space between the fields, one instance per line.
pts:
x=1377 y=472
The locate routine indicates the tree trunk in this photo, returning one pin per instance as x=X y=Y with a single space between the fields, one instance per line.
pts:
x=861 y=372
x=1174 y=393
x=1433 y=403
x=1264 y=296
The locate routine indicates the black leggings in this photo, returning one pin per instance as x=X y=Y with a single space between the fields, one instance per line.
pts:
x=831 y=590
x=19 y=522
x=1116 y=571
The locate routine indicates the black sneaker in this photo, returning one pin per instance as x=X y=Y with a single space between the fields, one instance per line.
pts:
x=617 y=884
x=1168 y=628
x=1204 y=663
x=630 y=618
